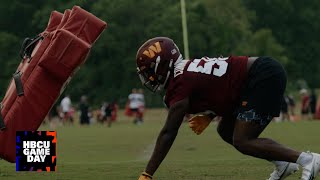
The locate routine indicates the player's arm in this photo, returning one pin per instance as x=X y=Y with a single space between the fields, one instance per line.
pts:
x=167 y=135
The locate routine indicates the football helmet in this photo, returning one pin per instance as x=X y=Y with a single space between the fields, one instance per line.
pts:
x=155 y=61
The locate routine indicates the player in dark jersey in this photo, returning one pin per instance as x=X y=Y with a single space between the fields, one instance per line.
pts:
x=245 y=91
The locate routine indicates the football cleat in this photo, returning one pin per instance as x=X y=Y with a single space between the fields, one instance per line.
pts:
x=311 y=170
x=281 y=172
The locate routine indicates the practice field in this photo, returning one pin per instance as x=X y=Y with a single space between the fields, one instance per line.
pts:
x=121 y=152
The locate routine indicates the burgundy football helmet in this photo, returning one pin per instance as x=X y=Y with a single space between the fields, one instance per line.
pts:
x=155 y=61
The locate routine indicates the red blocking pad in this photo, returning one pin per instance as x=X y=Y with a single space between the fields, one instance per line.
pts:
x=42 y=76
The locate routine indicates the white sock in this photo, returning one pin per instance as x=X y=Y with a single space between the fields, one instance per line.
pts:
x=279 y=163
x=304 y=159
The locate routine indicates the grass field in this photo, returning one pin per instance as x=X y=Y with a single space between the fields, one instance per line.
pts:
x=122 y=151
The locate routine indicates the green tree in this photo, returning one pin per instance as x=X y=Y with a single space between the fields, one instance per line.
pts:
x=295 y=24
x=216 y=27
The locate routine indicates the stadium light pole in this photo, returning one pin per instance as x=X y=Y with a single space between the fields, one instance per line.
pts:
x=184 y=29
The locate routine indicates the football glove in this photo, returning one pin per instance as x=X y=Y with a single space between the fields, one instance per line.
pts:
x=145 y=176
x=199 y=123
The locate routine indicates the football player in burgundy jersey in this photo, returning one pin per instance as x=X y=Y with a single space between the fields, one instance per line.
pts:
x=245 y=91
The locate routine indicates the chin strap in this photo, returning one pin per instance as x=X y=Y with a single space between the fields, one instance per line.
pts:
x=171 y=67
x=161 y=87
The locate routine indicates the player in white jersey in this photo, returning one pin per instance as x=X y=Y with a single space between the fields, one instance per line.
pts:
x=136 y=103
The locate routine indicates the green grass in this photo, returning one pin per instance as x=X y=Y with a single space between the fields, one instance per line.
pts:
x=122 y=151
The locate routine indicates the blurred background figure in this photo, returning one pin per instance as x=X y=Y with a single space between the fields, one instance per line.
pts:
x=107 y=113
x=66 y=110
x=284 y=113
x=84 y=111
x=313 y=103
x=141 y=105
x=131 y=104
x=101 y=114
x=291 y=106
x=135 y=105
x=53 y=116
x=114 y=112
x=288 y=109
x=305 y=104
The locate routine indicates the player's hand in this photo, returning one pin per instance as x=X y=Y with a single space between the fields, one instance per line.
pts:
x=199 y=123
x=145 y=176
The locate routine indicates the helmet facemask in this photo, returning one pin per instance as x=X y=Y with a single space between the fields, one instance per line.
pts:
x=153 y=81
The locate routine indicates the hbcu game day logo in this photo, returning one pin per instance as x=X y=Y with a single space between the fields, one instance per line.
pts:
x=36 y=151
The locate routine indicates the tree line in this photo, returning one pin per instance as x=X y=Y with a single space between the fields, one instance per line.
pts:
x=284 y=29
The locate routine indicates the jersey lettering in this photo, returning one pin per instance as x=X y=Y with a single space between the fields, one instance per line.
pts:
x=214 y=66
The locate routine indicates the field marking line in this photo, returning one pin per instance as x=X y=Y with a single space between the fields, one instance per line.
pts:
x=147 y=152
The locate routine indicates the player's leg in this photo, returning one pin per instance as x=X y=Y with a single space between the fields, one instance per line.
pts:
x=225 y=129
x=134 y=112
x=246 y=140
x=260 y=103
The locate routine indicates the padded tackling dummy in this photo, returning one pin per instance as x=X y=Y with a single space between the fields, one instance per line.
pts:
x=43 y=75
x=29 y=61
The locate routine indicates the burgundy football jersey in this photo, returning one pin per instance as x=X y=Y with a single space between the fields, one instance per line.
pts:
x=211 y=84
